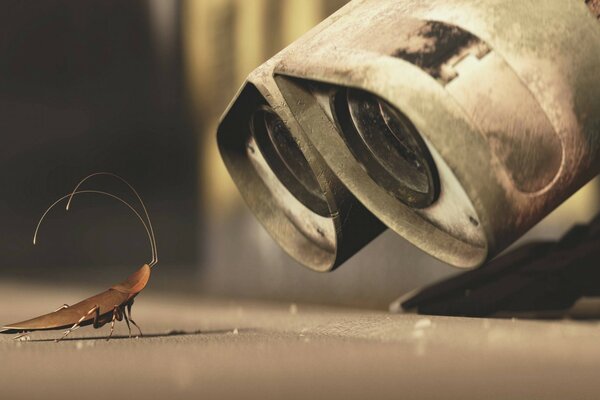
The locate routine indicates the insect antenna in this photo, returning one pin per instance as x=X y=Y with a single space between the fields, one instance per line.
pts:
x=135 y=192
x=68 y=196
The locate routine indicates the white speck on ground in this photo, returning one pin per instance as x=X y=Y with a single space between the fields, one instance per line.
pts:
x=423 y=323
x=418 y=334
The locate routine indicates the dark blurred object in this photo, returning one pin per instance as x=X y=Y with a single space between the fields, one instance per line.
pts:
x=538 y=277
x=84 y=87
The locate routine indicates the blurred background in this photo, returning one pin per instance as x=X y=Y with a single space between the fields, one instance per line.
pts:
x=137 y=87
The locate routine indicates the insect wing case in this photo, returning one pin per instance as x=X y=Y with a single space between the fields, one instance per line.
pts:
x=106 y=301
x=460 y=124
x=285 y=182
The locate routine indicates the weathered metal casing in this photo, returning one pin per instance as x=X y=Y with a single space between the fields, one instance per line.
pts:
x=504 y=93
x=321 y=237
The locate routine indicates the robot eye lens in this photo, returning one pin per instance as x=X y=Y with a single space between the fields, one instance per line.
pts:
x=388 y=146
x=286 y=159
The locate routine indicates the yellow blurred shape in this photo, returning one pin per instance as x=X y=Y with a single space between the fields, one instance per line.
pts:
x=581 y=208
x=224 y=40
x=299 y=16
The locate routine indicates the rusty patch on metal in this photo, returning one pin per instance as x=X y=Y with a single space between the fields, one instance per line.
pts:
x=519 y=132
x=594 y=6
x=437 y=47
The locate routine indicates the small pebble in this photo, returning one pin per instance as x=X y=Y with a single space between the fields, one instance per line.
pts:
x=293 y=309
x=423 y=323
x=235 y=331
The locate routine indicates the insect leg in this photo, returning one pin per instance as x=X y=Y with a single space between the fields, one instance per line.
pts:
x=95 y=309
x=129 y=305
x=96 y=323
x=62 y=307
x=126 y=320
x=112 y=323
x=119 y=313
x=20 y=335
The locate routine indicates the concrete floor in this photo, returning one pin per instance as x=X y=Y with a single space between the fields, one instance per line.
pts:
x=208 y=349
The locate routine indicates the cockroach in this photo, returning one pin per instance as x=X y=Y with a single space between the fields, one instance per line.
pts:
x=109 y=306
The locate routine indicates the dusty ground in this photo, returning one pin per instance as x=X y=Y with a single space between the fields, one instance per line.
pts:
x=219 y=349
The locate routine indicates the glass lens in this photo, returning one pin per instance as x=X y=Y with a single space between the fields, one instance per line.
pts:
x=388 y=146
